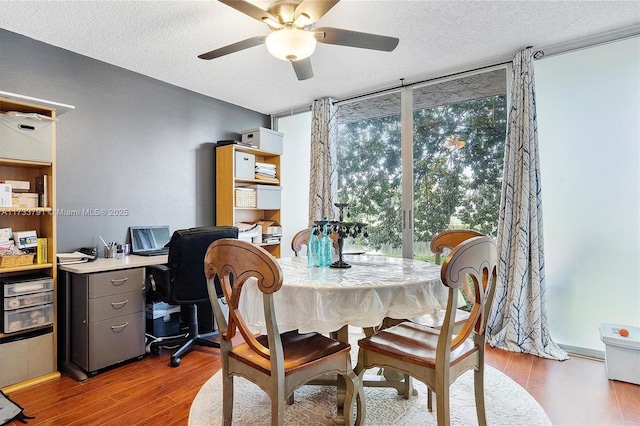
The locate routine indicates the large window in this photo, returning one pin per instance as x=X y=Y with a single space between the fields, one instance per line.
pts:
x=458 y=135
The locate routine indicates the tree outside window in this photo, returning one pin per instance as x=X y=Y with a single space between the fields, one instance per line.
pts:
x=458 y=157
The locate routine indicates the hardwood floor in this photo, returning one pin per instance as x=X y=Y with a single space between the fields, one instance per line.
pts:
x=150 y=392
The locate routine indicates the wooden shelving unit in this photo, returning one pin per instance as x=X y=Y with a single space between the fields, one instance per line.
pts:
x=30 y=357
x=226 y=183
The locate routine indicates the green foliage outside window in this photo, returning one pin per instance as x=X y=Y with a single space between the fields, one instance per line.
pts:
x=452 y=187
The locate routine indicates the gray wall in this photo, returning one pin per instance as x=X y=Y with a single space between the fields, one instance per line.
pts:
x=133 y=144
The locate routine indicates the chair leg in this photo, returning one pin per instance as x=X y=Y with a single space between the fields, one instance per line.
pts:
x=361 y=409
x=430 y=400
x=351 y=381
x=478 y=385
x=442 y=404
x=227 y=398
x=277 y=411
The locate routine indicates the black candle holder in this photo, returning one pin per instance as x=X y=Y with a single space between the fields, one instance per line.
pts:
x=343 y=230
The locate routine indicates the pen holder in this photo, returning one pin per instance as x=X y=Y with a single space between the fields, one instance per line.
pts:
x=110 y=252
x=124 y=249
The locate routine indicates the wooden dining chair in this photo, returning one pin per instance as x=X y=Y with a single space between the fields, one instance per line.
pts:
x=277 y=363
x=438 y=357
x=301 y=238
x=448 y=240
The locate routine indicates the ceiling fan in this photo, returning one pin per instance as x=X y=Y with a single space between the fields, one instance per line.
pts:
x=294 y=36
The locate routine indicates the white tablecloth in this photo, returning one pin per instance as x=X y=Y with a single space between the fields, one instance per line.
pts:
x=326 y=299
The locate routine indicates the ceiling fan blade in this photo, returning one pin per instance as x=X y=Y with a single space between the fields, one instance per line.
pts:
x=314 y=9
x=303 y=68
x=235 y=47
x=355 y=39
x=251 y=10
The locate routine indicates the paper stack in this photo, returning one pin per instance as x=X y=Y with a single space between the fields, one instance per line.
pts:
x=75 y=257
x=265 y=171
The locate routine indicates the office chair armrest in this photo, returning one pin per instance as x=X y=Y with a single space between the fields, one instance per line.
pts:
x=159 y=280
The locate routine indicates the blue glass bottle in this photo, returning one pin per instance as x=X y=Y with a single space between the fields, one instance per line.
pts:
x=326 y=247
x=313 y=249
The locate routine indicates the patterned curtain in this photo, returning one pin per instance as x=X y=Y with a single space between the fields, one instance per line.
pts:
x=518 y=321
x=322 y=190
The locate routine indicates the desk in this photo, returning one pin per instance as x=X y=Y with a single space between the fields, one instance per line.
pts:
x=65 y=302
x=326 y=299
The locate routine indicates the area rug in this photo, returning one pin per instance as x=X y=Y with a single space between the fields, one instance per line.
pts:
x=507 y=403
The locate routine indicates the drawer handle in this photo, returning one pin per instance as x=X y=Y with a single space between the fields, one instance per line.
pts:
x=118 y=328
x=119 y=282
x=118 y=305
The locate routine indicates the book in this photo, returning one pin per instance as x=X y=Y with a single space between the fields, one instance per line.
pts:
x=41 y=250
x=42 y=190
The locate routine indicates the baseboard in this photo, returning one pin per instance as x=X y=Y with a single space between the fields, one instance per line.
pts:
x=584 y=352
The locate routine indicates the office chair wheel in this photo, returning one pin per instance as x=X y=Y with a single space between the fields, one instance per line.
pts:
x=175 y=362
x=155 y=350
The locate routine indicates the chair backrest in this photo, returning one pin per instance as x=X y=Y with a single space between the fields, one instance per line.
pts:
x=233 y=262
x=187 y=248
x=475 y=259
x=302 y=239
x=449 y=239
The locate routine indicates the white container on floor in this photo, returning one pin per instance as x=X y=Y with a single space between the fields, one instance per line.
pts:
x=622 y=354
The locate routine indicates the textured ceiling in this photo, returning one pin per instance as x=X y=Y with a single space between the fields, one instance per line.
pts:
x=162 y=39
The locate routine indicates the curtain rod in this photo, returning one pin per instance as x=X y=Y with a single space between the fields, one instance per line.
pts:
x=415 y=83
x=597 y=40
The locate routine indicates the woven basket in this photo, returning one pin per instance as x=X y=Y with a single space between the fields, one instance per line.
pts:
x=246 y=197
x=16 y=260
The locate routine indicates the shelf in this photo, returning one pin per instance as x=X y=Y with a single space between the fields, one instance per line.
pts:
x=255 y=151
x=38 y=103
x=25 y=268
x=257 y=181
x=254 y=209
x=23 y=163
x=23 y=211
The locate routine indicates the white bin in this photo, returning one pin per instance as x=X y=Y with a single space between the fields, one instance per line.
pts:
x=25 y=138
x=622 y=354
x=268 y=196
x=264 y=139
x=245 y=165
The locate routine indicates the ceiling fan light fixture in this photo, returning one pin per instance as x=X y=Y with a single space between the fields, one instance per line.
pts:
x=291 y=44
x=302 y=20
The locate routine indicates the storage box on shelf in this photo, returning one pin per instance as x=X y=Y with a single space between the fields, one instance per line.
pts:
x=245 y=165
x=27 y=153
x=240 y=198
x=264 y=139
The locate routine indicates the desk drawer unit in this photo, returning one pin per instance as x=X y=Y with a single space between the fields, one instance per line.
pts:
x=108 y=318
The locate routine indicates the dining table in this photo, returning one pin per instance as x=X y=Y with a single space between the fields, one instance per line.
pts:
x=373 y=290
x=325 y=300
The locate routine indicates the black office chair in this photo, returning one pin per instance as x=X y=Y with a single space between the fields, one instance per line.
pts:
x=182 y=282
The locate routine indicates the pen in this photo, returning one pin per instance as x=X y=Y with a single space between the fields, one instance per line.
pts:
x=103 y=241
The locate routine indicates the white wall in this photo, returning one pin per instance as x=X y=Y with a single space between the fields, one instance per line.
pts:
x=294 y=176
x=588 y=105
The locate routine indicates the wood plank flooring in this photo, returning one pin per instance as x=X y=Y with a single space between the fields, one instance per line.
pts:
x=150 y=392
